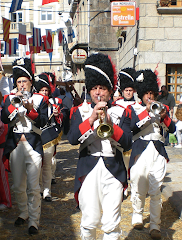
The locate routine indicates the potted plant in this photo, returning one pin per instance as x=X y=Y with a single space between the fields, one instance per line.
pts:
x=164 y=3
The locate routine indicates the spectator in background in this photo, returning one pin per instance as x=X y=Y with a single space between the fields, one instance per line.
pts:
x=167 y=99
x=179 y=125
x=68 y=104
x=68 y=94
x=56 y=92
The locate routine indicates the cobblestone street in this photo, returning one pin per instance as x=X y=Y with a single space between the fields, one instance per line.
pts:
x=60 y=219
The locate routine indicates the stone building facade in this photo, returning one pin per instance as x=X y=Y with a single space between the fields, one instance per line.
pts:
x=92 y=23
x=154 y=42
x=34 y=14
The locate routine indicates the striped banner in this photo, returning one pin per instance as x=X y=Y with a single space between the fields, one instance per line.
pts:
x=15 y=5
x=6 y=27
x=22 y=34
x=11 y=47
x=49 y=41
x=60 y=35
x=37 y=42
x=32 y=48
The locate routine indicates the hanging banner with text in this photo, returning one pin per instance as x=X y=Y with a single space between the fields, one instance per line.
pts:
x=123 y=14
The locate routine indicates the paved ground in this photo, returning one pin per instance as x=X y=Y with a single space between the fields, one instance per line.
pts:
x=172 y=187
x=60 y=219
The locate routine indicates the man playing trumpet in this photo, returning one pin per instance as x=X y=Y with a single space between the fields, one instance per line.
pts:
x=23 y=145
x=148 y=156
x=101 y=173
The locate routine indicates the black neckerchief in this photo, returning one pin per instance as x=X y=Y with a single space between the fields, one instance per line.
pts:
x=132 y=99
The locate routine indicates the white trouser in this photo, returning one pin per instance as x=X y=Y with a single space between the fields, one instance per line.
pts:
x=147 y=175
x=25 y=164
x=53 y=166
x=100 y=191
x=46 y=172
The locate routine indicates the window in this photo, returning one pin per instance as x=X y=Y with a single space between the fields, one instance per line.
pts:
x=16 y=18
x=2 y=48
x=46 y=14
x=173 y=2
x=174 y=80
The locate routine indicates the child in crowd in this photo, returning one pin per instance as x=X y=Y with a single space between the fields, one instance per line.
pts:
x=179 y=125
x=172 y=139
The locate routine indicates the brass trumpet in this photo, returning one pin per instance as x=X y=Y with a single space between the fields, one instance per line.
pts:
x=17 y=101
x=156 y=107
x=105 y=130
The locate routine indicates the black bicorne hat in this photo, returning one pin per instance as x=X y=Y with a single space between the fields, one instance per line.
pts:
x=126 y=78
x=99 y=70
x=41 y=80
x=22 y=67
x=146 y=80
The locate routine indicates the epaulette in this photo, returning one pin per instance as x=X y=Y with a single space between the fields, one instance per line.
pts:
x=73 y=109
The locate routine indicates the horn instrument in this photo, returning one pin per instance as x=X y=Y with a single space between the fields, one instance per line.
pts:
x=105 y=130
x=156 y=107
x=17 y=101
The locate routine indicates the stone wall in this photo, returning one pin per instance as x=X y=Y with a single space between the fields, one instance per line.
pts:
x=159 y=40
x=102 y=34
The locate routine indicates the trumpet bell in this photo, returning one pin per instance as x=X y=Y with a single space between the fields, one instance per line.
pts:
x=105 y=131
x=17 y=102
x=156 y=107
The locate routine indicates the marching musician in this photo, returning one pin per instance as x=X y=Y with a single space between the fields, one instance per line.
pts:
x=126 y=86
x=26 y=113
x=148 y=156
x=101 y=174
x=51 y=132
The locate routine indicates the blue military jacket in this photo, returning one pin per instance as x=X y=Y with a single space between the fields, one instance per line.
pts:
x=147 y=127
x=20 y=122
x=92 y=147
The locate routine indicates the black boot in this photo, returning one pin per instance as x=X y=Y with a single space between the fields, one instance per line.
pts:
x=19 y=222
x=32 y=230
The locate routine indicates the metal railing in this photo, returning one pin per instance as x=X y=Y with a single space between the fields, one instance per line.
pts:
x=14 y=27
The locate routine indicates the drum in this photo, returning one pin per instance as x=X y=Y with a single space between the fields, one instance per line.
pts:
x=51 y=135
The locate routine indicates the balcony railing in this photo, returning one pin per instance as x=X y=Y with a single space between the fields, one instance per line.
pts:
x=14 y=27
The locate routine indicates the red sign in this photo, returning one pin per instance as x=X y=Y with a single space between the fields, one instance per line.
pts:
x=123 y=14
